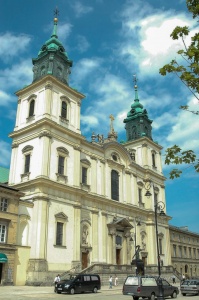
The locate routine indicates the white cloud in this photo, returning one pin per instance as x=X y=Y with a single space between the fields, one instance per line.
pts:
x=12 y=45
x=147 y=40
x=82 y=43
x=5 y=98
x=63 y=31
x=185 y=131
x=81 y=9
x=84 y=68
x=5 y=153
x=16 y=75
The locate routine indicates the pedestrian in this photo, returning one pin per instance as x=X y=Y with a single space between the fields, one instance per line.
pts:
x=116 y=280
x=173 y=279
x=110 y=282
x=57 y=279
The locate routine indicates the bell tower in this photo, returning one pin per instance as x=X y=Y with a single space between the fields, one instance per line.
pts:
x=137 y=121
x=52 y=58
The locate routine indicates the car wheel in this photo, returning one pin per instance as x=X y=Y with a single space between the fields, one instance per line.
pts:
x=135 y=297
x=152 y=296
x=183 y=294
x=95 y=290
x=72 y=291
x=174 y=295
x=58 y=292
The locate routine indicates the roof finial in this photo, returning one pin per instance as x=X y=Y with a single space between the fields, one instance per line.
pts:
x=56 y=13
x=135 y=87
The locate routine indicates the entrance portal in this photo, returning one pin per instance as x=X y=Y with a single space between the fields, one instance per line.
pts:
x=118 y=251
x=84 y=260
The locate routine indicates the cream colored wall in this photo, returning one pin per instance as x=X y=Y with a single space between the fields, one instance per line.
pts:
x=21 y=261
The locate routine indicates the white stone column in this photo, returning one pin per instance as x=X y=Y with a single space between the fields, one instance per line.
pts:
x=95 y=239
x=45 y=136
x=76 y=233
x=48 y=99
x=104 y=245
x=93 y=174
x=76 y=163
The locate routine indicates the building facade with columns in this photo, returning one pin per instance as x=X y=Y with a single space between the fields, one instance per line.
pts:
x=82 y=197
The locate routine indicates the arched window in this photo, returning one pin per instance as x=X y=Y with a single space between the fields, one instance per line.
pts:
x=31 y=108
x=153 y=160
x=64 y=110
x=114 y=185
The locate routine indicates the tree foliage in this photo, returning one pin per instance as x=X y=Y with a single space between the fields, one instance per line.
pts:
x=188 y=73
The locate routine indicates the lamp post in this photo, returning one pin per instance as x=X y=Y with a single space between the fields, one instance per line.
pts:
x=137 y=222
x=158 y=207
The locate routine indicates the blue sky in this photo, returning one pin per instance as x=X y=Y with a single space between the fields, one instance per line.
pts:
x=109 y=41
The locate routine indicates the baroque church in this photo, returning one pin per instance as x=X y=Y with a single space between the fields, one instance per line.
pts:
x=82 y=200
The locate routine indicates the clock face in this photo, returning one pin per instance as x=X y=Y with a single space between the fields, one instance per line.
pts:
x=132 y=110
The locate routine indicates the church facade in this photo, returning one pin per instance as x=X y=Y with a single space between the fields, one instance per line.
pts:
x=82 y=199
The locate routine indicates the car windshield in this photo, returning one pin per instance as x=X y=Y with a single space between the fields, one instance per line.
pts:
x=131 y=281
x=68 y=277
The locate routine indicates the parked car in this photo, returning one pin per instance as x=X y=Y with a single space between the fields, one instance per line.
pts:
x=147 y=286
x=79 y=284
x=190 y=287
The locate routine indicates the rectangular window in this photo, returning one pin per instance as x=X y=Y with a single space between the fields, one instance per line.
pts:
x=185 y=251
x=160 y=246
x=27 y=163
x=4 y=204
x=190 y=253
x=59 y=235
x=174 y=250
x=2 y=233
x=84 y=175
x=140 y=196
x=180 y=251
x=61 y=160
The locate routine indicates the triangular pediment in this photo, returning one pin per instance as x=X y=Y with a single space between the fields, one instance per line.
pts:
x=120 y=223
x=61 y=215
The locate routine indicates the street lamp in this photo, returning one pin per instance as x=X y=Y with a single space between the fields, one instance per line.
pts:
x=137 y=222
x=158 y=208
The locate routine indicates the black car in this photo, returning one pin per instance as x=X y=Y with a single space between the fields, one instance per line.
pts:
x=79 y=284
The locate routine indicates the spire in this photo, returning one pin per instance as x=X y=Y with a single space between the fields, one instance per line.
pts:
x=137 y=121
x=135 y=87
x=52 y=58
x=56 y=13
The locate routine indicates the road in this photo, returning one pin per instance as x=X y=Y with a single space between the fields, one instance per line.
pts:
x=44 y=293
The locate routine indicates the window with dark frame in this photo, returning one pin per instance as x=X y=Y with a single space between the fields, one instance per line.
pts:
x=27 y=163
x=61 y=160
x=31 y=108
x=2 y=233
x=59 y=234
x=84 y=175
x=4 y=204
x=140 y=195
x=114 y=185
x=64 y=110
x=153 y=160
x=160 y=246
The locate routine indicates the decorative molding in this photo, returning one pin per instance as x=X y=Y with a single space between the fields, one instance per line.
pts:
x=25 y=177
x=48 y=86
x=45 y=133
x=62 y=178
x=27 y=149
x=63 y=150
x=77 y=147
x=85 y=187
x=65 y=98
x=32 y=97
x=15 y=145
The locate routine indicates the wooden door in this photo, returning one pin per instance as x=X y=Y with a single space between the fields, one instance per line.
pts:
x=84 y=260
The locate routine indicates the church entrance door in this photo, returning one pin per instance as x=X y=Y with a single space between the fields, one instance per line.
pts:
x=84 y=260
x=118 y=251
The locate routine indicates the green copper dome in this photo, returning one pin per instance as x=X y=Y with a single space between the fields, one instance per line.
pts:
x=52 y=59
x=137 y=122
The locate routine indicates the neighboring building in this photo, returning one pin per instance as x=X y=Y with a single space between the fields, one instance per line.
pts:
x=9 y=260
x=184 y=251
x=4 y=175
x=81 y=198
